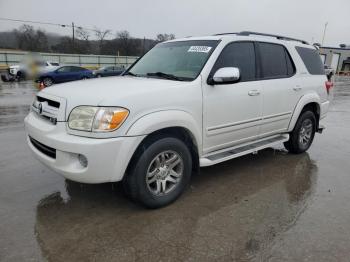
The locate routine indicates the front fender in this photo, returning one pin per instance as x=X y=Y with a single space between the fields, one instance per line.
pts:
x=304 y=100
x=164 y=119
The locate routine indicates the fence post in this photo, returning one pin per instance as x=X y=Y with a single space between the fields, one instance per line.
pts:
x=6 y=60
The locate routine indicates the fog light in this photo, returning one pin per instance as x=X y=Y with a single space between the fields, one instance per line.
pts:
x=83 y=160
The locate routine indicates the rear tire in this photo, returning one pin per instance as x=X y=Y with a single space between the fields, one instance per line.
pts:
x=159 y=172
x=303 y=133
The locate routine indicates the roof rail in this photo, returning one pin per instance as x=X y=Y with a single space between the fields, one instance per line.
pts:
x=280 y=37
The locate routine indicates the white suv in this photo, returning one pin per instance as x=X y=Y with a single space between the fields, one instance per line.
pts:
x=187 y=103
x=24 y=70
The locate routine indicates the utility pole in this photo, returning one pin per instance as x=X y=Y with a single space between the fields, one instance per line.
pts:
x=73 y=38
x=143 y=45
x=324 y=32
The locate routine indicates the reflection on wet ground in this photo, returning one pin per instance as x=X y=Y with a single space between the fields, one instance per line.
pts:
x=15 y=98
x=272 y=206
x=230 y=212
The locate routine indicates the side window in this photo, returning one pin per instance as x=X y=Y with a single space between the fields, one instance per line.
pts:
x=312 y=60
x=275 y=61
x=63 y=69
x=75 y=69
x=241 y=55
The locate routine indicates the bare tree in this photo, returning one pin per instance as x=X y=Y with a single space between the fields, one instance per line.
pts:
x=164 y=37
x=25 y=36
x=42 y=43
x=101 y=36
x=123 y=38
x=82 y=34
x=30 y=39
x=83 y=43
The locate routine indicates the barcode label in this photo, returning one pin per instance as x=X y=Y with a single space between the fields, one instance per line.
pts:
x=199 y=49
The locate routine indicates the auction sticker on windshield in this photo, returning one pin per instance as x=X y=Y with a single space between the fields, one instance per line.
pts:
x=199 y=49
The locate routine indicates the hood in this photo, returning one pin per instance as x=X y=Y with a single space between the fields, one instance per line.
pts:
x=125 y=91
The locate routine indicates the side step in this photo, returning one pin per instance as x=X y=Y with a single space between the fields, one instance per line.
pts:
x=234 y=152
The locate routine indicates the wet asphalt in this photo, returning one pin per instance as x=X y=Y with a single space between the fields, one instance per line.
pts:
x=272 y=206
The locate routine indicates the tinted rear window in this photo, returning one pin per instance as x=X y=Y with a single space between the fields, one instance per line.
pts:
x=275 y=61
x=312 y=60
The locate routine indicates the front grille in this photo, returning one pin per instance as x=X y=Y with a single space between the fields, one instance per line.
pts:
x=49 y=102
x=46 y=150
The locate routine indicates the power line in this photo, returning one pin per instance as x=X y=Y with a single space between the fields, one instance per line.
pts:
x=45 y=23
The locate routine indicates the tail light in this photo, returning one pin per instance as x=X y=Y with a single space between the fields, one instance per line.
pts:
x=329 y=85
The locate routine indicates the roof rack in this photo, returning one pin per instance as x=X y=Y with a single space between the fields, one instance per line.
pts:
x=280 y=37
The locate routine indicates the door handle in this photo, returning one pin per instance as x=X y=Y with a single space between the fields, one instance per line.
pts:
x=297 y=88
x=253 y=93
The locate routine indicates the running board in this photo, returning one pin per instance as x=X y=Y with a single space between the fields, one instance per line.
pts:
x=234 y=152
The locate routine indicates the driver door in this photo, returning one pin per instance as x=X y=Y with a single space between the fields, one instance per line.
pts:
x=232 y=112
x=63 y=74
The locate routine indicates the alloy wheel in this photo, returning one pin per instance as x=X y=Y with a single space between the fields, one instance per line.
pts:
x=164 y=173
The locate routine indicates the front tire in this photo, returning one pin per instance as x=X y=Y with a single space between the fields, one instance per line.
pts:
x=47 y=81
x=159 y=173
x=21 y=76
x=303 y=133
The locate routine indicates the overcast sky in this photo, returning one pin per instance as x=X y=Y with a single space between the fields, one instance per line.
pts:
x=296 y=18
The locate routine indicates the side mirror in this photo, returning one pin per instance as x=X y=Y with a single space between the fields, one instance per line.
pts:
x=225 y=75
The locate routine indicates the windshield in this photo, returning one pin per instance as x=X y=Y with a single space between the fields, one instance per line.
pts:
x=182 y=60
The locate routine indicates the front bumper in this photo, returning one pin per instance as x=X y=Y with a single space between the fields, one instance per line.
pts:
x=107 y=158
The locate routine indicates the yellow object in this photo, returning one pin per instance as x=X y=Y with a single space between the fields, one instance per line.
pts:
x=118 y=118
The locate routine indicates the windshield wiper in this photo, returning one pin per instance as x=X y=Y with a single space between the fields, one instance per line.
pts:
x=130 y=74
x=165 y=75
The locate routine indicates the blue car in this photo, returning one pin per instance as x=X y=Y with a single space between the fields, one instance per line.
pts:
x=64 y=74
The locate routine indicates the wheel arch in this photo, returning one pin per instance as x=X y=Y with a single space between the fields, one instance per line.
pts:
x=174 y=123
x=166 y=119
x=43 y=77
x=308 y=102
x=179 y=132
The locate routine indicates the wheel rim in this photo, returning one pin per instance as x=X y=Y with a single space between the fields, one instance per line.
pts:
x=164 y=173
x=305 y=132
x=47 y=82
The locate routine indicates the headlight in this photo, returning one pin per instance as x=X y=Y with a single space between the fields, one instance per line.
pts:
x=97 y=119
